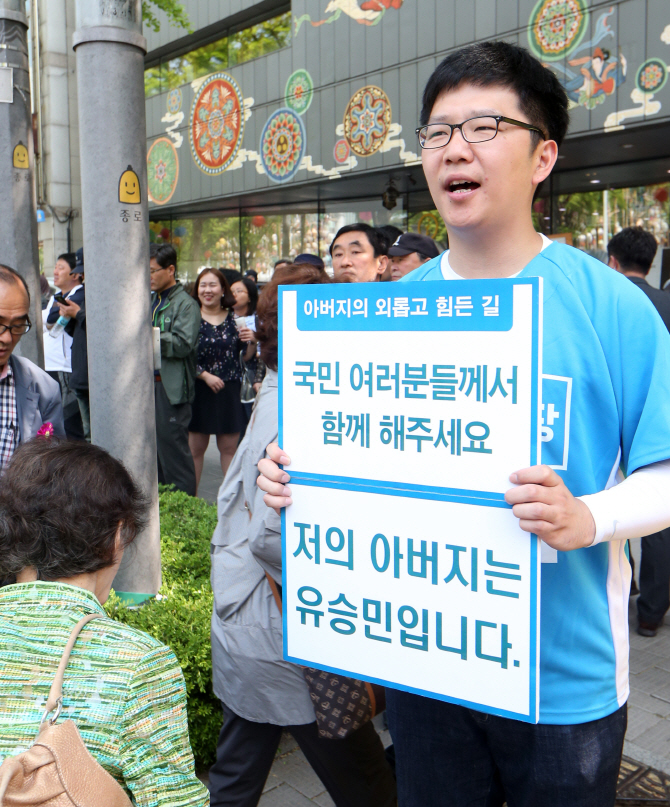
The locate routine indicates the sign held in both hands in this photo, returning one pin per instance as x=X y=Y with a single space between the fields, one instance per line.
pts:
x=405 y=407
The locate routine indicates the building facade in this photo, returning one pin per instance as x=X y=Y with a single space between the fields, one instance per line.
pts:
x=270 y=124
x=55 y=124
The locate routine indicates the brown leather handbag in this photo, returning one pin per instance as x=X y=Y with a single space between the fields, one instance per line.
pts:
x=341 y=704
x=58 y=770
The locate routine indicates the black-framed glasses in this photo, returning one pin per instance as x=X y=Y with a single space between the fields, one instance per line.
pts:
x=474 y=130
x=16 y=330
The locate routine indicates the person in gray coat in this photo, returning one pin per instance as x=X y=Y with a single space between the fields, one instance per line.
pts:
x=29 y=397
x=261 y=694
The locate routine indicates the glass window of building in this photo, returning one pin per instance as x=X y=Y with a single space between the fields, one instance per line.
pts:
x=257 y=40
x=200 y=241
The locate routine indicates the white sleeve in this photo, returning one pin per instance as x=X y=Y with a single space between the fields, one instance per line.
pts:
x=638 y=506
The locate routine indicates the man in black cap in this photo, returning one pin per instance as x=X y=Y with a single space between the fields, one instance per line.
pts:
x=410 y=251
x=75 y=311
x=307 y=257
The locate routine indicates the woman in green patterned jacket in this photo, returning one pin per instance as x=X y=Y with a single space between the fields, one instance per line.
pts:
x=67 y=512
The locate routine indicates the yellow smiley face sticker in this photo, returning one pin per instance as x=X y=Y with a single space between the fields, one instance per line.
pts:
x=129 y=187
x=21 y=156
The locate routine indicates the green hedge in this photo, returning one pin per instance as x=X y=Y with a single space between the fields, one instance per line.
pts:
x=180 y=617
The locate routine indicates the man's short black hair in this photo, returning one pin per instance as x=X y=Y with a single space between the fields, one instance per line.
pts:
x=376 y=239
x=390 y=233
x=541 y=97
x=11 y=276
x=165 y=255
x=69 y=258
x=634 y=248
x=231 y=275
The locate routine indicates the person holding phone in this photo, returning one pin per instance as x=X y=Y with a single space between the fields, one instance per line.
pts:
x=58 y=345
x=245 y=292
x=217 y=408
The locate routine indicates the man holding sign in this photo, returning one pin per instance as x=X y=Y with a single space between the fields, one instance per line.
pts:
x=492 y=121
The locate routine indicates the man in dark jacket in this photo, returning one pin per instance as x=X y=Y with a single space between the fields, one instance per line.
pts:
x=58 y=345
x=631 y=253
x=75 y=311
x=177 y=315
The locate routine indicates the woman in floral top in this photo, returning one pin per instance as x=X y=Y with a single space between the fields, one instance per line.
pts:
x=217 y=408
x=67 y=512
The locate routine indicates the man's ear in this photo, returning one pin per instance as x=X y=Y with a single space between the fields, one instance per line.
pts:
x=383 y=263
x=545 y=156
x=613 y=263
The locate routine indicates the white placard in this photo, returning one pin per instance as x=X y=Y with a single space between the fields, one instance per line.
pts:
x=404 y=410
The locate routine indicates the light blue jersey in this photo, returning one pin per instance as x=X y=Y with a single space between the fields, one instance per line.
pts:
x=606 y=401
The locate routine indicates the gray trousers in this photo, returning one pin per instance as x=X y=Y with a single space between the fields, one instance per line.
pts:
x=175 y=461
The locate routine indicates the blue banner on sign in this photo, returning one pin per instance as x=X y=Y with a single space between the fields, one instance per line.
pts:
x=469 y=305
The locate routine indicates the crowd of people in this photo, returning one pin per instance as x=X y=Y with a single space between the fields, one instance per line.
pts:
x=211 y=368
x=492 y=121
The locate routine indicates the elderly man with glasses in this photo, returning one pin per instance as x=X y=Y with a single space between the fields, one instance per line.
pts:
x=29 y=397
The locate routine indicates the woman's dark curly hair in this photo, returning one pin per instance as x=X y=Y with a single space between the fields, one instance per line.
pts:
x=267 y=315
x=61 y=505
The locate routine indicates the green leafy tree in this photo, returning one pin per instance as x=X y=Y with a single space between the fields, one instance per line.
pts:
x=260 y=39
x=174 y=10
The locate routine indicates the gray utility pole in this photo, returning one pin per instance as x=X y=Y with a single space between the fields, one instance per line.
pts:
x=110 y=52
x=18 y=211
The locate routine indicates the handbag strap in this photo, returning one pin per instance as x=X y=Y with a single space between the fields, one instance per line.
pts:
x=55 y=699
x=275 y=591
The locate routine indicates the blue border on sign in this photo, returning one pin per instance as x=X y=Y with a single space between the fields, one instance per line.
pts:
x=280 y=438
x=533 y=696
x=485 y=498
x=424 y=692
x=482 y=498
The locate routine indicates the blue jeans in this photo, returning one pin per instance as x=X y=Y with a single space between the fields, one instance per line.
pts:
x=451 y=755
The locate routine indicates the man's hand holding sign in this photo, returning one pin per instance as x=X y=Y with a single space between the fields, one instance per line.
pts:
x=541 y=501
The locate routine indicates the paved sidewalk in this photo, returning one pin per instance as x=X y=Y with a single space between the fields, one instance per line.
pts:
x=212 y=477
x=648 y=736
x=293 y=783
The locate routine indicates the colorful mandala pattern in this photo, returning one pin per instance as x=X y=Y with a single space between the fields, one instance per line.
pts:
x=217 y=123
x=282 y=144
x=174 y=101
x=367 y=120
x=162 y=170
x=556 y=27
x=651 y=76
x=299 y=91
x=341 y=151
